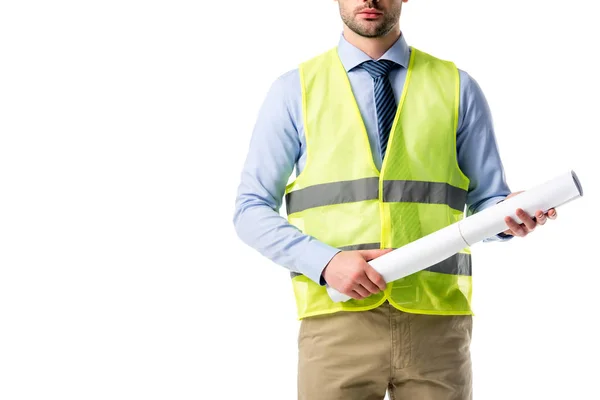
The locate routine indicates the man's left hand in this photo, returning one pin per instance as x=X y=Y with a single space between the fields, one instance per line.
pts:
x=529 y=224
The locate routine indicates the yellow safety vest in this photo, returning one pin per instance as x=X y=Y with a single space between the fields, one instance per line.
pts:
x=342 y=199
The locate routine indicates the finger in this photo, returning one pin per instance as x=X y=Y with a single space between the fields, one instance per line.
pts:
x=517 y=230
x=552 y=213
x=540 y=217
x=369 y=255
x=361 y=283
x=366 y=283
x=375 y=277
x=526 y=219
x=355 y=295
x=361 y=291
x=364 y=280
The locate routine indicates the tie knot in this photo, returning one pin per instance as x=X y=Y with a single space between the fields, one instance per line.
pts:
x=378 y=68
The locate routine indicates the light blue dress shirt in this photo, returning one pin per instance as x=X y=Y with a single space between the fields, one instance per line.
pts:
x=278 y=145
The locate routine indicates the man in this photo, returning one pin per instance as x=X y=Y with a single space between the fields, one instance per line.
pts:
x=389 y=144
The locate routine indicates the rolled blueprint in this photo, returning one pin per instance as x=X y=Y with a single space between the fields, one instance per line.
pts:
x=439 y=245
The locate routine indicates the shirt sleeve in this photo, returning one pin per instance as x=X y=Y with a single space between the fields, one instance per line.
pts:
x=477 y=150
x=272 y=154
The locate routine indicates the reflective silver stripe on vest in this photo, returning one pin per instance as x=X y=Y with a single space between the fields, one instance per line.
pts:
x=424 y=192
x=368 y=189
x=364 y=246
x=325 y=194
x=458 y=264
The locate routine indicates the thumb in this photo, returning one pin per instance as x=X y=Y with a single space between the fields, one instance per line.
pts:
x=371 y=254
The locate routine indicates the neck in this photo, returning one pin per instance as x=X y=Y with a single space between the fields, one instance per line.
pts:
x=373 y=47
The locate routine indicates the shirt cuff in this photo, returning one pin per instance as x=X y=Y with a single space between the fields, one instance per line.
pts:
x=316 y=259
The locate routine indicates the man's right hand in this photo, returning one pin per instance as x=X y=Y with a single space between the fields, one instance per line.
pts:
x=349 y=273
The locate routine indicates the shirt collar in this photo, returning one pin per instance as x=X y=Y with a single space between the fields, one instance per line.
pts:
x=351 y=56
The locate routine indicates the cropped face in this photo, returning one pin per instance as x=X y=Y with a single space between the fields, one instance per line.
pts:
x=370 y=18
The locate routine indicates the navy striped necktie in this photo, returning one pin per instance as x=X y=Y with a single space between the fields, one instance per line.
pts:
x=385 y=103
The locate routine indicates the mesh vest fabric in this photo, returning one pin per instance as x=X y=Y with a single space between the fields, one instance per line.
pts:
x=342 y=199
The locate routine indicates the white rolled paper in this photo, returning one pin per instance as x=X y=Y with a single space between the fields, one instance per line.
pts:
x=439 y=245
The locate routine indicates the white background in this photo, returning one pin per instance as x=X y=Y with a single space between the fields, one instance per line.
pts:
x=124 y=126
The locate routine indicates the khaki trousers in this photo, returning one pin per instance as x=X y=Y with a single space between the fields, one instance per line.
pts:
x=361 y=355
